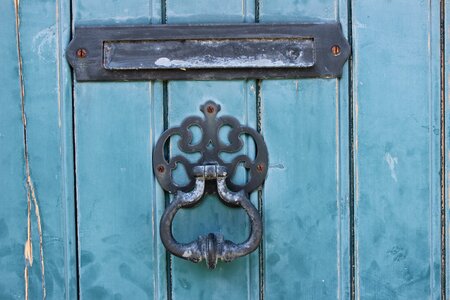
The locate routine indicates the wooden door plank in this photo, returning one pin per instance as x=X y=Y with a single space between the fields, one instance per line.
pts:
x=190 y=281
x=397 y=163
x=238 y=279
x=38 y=88
x=119 y=202
x=305 y=198
x=13 y=199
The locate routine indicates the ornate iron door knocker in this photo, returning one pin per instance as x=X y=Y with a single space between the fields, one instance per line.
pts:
x=210 y=175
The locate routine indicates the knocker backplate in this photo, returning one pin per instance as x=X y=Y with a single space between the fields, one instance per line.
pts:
x=210 y=148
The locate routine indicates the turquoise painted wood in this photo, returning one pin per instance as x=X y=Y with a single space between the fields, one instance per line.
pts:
x=119 y=203
x=13 y=215
x=239 y=279
x=306 y=222
x=352 y=202
x=397 y=164
x=37 y=229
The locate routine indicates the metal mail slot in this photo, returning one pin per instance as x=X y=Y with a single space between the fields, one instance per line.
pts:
x=203 y=52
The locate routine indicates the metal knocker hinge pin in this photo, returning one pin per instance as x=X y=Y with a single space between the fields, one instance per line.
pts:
x=211 y=175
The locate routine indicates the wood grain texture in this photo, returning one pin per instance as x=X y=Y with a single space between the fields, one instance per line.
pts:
x=13 y=198
x=305 y=124
x=119 y=202
x=37 y=86
x=397 y=131
x=233 y=279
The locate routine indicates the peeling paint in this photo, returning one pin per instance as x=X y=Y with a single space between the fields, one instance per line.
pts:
x=39 y=227
x=391 y=161
x=277 y=166
x=31 y=194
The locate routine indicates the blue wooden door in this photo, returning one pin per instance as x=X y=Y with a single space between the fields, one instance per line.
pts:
x=355 y=205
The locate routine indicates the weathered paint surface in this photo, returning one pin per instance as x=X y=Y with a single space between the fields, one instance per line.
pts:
x=397 y=164
x=232 y=279
x=305 y=252
x=13 y=215
x=119 y=204
x=238 y=279
x=37 y=253
x=306 y=202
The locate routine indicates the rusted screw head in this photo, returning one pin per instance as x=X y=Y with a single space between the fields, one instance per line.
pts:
x=210 y=109
x=336 y=50
x=81 y=53
x=260 y=167
x=160 y=169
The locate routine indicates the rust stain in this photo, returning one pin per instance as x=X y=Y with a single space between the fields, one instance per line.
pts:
x=31 y=194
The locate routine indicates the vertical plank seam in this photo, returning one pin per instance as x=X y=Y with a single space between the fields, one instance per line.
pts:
x=31 y=193
x=247 y=152
x=442 y=148
x=166 y=195
x=154 y=210
x=62 y=122
x=258 y=83
x=165 y=127
x=431 y=124
x=257 y=6
x=351 y=153
x=435 y=115
x=74 y=154
x=154 y=213
x=260 y=194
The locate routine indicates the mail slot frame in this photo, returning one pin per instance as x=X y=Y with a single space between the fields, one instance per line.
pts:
x=204 y=54
x=86 y=51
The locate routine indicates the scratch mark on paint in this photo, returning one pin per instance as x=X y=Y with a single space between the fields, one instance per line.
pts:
x=391 y=161
x=360 y=25
x=44 y=39
x=31 y=194
x=39 y=225
x=26 y=281
x=276 y=166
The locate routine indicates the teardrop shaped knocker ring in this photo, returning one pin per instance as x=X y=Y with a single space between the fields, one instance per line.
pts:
x=211 y=175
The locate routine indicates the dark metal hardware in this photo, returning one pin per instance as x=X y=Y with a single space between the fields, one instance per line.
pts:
x=210 y=174
x=164 y=52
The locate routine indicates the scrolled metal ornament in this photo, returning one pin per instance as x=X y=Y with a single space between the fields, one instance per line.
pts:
x=210 y=174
